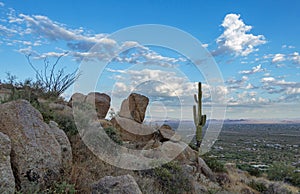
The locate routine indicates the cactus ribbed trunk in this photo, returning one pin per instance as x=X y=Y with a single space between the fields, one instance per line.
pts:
x=199 y=119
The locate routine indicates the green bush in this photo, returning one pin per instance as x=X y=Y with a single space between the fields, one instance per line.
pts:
x=280 y=171
x=172 y=178
x=250 y=169
x=66 y=123
x=114 y=135
x=295 y=179
x=63 y=188
x=214 y=164
x=261 y=187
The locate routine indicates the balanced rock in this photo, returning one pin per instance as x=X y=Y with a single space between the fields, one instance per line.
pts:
x=100 y=101
x=132 y=131
x=134 y=107
x=7 y=180
x=168 y=134
x=36 y=155
x=120 y=184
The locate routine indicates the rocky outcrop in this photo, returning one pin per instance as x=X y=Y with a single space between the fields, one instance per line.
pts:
x=204 y=169
x=66 y=150
x=120 y=184
x=7 y=180
x=100 y=101
x=168 y=134
x=133 y=131
x=134 y=107
x=36 y=156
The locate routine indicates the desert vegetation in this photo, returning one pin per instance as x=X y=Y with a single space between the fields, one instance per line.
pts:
x=186 y=174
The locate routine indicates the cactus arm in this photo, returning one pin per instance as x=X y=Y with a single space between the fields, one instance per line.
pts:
x=195 y=115
x=203 y=120
x=195 y=97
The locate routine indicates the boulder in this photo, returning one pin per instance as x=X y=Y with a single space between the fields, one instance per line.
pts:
x=105 y=123
x=179 y=151
x=130 y=130
x=168 y=134
x=134 y=107
x=100 y=101
x=7 y=180
x=76 y=97
x=124 y=111
x=204 y=169
x=66 y=150
x=124 y=184
x=36 y=156
x=152 y=144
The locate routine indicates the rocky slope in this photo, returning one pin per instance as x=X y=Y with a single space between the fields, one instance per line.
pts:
x=35 y=155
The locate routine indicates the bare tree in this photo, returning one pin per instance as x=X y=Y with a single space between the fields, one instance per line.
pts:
x=53 y=81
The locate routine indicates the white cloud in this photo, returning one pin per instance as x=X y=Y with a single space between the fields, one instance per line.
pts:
x=255 y=69
x=42 y=30
x=290 y=91
x=235 y=38
x=2 y=4
x=295 y=57
x=268 y=79
x=288 y=46
x=249 y=86
x=164 y=84
x=4 y=31
x=278 y=58
x=248 y=99
x=205 y=45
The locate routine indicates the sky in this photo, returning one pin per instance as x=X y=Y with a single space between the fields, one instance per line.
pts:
x=254 y=45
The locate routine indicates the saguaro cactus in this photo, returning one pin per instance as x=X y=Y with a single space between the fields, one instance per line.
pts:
x=199 y=119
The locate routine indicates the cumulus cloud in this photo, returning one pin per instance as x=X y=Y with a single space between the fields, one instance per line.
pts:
x=2 y=4
x=4 y=31
x=248 y=99
x=41 y=29
x=295 y=58
x=236 y=39
x=290 y=91
x=164 y=85
x=278 y=58
x=254 y=70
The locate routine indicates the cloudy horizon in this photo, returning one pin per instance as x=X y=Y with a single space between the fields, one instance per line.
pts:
x=260 y=67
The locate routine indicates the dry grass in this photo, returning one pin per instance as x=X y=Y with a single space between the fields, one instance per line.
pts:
x=87 y=168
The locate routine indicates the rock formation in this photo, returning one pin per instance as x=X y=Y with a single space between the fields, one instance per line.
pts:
x=120 y=184
x=7 y=180
x=36 y=156
x=134 y=107
x=61 y=137
x=100 y=101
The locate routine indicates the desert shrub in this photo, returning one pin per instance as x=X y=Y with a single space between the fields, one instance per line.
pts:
x=258 y=186
x=53 y=81
x=114 y=135
x=279 y=171
x=214 y=164
x=66 y=123
x=250 y=169
x=295 y=179
x=63 y=188
x=170 y=177
x=193 y=145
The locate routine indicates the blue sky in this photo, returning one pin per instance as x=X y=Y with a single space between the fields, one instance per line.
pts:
x=255 y=45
